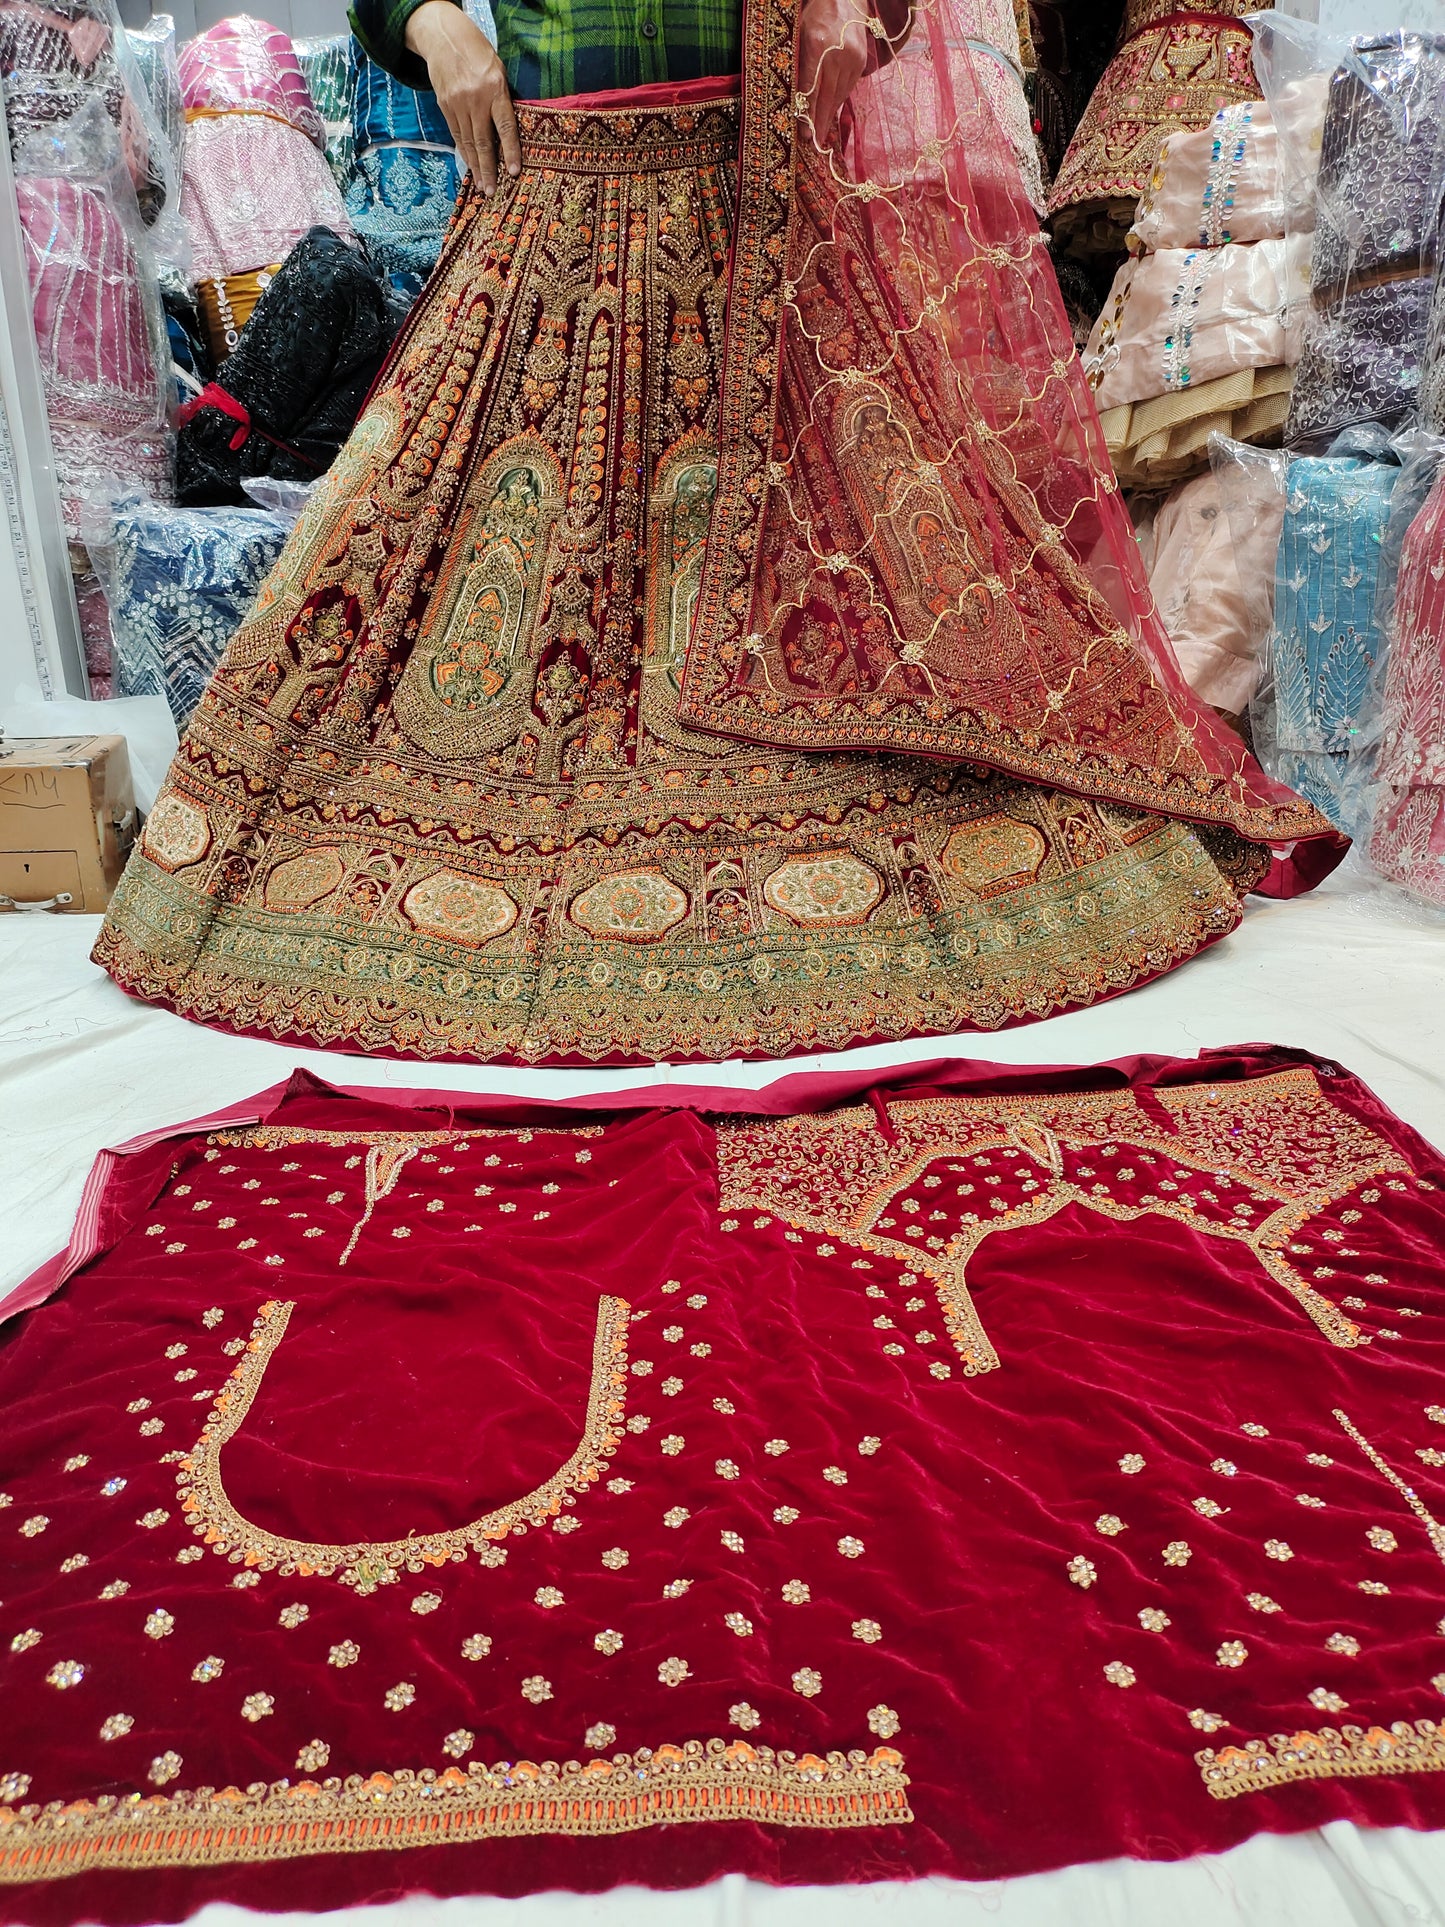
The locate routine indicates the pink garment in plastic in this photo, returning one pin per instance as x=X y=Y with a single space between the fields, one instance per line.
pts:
x=103 y=385
x=1236 y=179
x=256 y=176
x=1198 y=572
x=1408 y=840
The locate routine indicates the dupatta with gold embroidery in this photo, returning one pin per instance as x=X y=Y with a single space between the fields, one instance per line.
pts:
x=722 y=634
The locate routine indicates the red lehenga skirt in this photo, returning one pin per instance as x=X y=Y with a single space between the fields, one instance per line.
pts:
x=660 y=455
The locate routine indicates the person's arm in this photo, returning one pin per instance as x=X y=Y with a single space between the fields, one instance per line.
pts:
x=833 y=55
x=432 y=44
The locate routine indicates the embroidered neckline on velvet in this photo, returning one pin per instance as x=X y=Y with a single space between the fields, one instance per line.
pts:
x=781 y=1166
x=700 y=1780
x=364 y=1565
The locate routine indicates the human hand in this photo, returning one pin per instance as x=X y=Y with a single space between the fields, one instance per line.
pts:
x=832 y=54
x=471 y=88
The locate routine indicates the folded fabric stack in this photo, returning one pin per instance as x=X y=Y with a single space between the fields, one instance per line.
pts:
x=407 y=176
x=256 y=177
x=296 y=381
x=1375 y=242
x=1326 y=645
x=329 y=67
x=1203 y=324
x=179 y=582
x=1176 y=64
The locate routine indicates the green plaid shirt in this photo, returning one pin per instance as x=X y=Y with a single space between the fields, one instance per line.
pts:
x=555 y=47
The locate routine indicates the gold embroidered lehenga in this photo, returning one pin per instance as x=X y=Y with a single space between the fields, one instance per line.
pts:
x=721 y=635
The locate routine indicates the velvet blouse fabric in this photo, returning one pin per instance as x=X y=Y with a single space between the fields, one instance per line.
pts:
x=473 y=1495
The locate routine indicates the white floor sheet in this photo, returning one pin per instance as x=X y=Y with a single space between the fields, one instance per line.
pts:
x=1347 y=973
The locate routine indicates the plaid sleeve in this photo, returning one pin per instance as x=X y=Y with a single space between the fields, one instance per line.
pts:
x=380 y=26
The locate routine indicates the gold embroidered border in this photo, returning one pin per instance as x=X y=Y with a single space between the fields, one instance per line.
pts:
x=1332 y=1753
x=868 y=1173
x=703 y=1780
x=366 y=1566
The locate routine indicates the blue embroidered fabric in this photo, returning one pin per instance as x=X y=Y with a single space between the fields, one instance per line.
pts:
x=407 y=176
x=1317 y=726
x=179 y=582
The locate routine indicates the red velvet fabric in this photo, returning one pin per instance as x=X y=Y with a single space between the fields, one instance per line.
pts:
x=1212 y=1282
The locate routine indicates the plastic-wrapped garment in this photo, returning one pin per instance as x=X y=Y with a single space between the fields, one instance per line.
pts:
x=96 y=636
x=256 y=177
x=407 y=176
x=1194 y=341
x=1177 y=63
x=1376 y=235
x=1407 y=843
x=179 y=582
x=294 y=386
x=329 y=67
x=1313 y=727
x=1235 y=180
x=154 y=48
x=98 y=325
x=57 y=57
x=1198 y=572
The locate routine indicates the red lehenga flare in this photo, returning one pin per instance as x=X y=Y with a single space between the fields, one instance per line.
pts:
x=722 y=634
x=964 y=1474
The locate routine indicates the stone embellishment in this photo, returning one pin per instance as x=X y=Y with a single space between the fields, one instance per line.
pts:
x=1325 y=1701
x=883 y=1721
x=738 y=1623
x=850 y=1547
x=547 y=1597
x=209 y=1668
x=1382 y=1539
x=159 y=1624
x=1083 y=1572
x=293 y=1616
x=1118 y=1674
x=347 y=1653
x=1344 y=1643
x=1207 y=1722
x=536 y=1689
x=1209 y=1508
x=1153 y=1619
x=1178 y=1552
x=616 y=1557
x=1261 y=1602
x=1280 y=1549
x=797 y=1592
x=744 y=1717
x=397 y=1698
x=599 y=1735
x=675 y=1516
x=258 y=1706
x=808 y=1681
x=14 y=1786
x=426 y=1602
x=868 y=1630
x=1110 y=1524
x=117 y=1726
x=313 y=1757
x=1132 y=1462
x=1233 y=1652
x=474 y=1646
x=65 y=1674
x=608 y=1641
x=459 y=1742
x=673 y=1671
x=164 y=1768
x=22 y=1642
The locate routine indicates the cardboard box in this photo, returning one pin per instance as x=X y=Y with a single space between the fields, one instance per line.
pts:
x=67 y=820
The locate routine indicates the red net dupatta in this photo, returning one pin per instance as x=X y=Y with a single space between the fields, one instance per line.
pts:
x=918 y=544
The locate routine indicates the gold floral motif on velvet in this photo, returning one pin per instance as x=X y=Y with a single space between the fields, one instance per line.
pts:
x=438 y=800
x=1278 y=1140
